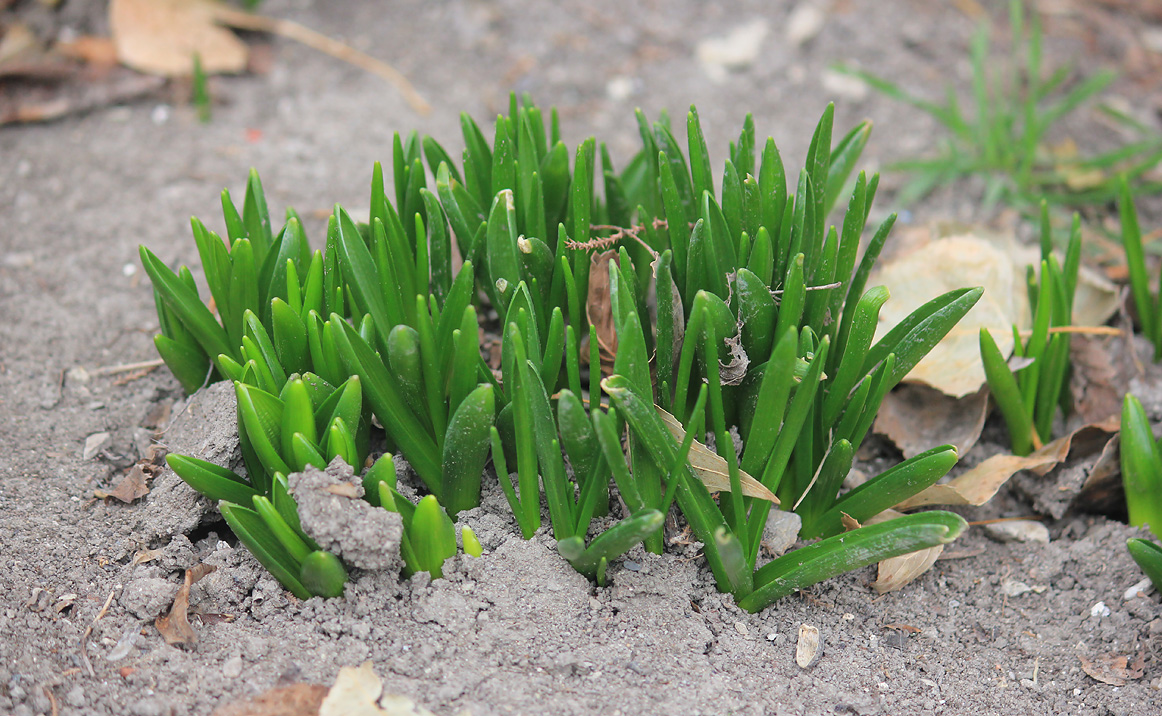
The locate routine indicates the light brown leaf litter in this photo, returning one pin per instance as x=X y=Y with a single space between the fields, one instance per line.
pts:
x=1113 y=669
x=290 y=700
x=175 y=627
x=917 y=417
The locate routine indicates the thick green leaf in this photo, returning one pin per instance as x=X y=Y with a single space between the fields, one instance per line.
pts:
x=250 y=529
x=466 y=446
x=323 y=574
x=213 y=481
x=851 y=550
x=1148 y=555
x=885 y=490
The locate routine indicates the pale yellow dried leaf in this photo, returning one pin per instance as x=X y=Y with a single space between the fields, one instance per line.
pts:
x=953 y=367
x=898 y=571
x=710 y=467
x=895 y=572
x=928 y=267
x=160 y=37
x=358 y=692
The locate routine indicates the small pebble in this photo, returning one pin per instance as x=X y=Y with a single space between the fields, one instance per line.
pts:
x=741 y=628
x=1141 y=589
x=631 y=566
x=232 y=669
x=1099 y=610
x=1018 y=531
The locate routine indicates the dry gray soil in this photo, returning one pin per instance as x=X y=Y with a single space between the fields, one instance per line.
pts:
x=516 y=631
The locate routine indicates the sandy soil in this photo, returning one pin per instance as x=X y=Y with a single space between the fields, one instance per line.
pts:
x=516 y=631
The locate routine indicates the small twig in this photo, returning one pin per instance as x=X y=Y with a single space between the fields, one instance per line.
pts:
x=1083 y=330
x=240 y=20
x=127 y=367
x=89 y=630
x=52 y=700
x=619 y=233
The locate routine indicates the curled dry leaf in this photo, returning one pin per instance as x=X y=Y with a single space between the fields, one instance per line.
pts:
x=1113 y=670
x=599 y=308
x=291 y=700
x=710 y=467
x=175 y=627
x=160 y=37
x=915 y=417
x=734 y=372
x=131 y=487
x=979 y=484
x=849 y=522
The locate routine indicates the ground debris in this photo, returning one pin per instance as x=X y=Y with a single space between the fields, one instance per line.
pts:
x=175 y=627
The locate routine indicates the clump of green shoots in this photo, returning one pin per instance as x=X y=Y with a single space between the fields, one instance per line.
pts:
x=1016 y=102
x=1031 y=385
x=764 y=326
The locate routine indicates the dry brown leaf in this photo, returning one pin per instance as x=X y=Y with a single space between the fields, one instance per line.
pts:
x=849 y=523
x=93 y=50
x=978 y=485
x=131 y=487
x=710 y=467
x=1099 y=377
x=599 y=308
x=895 y=572
x=175 y=627
x=916 y=417
x=160 y=37
x=292 y=700
x=1113 y=670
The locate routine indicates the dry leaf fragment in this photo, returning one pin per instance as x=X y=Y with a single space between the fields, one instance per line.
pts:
x=175 y=627
x=358 y=692
x=979 y=484
x=953 y=367
x=895 y=572
x=160 y=37
x=915 y=417
x=344 y=489
x=291 y=700
x=131 y=487
x=710 y=467
x=809 y=647
x=599 y=308
x=849 y=522
x=1113 y=670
